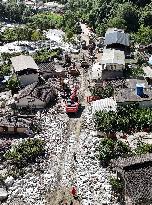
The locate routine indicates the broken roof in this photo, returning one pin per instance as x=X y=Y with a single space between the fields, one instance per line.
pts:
x=42 y=92
x=14 y=122
x=112 y=56
x=137 y=173
x=114 y=35
x=46 y=67
x=23 y=62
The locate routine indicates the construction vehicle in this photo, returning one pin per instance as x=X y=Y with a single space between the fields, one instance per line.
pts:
x=72 y=103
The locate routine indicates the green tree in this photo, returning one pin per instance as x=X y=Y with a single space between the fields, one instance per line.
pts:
x=117 y=185
x=36 y=36
x=112 y=149
x=144 y=35
x=13 y=83
x=25 y=152
x=143 y=148
x=129 y=13
x=5 y=70
x=117 y=22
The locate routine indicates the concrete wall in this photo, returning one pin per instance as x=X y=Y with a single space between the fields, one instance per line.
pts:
x=12 y=130
x=21 y=129
x=28 y=79
x=28 y=100
x=145 y=104
x=141 y=104
x=111 y=74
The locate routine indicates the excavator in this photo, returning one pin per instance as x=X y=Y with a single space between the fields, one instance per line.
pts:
x=72 y=103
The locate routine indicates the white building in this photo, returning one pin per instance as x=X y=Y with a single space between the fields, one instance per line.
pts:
x=111 y=66
x=25 y=69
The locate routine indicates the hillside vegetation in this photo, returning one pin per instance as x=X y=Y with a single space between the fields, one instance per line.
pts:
x=134 y=16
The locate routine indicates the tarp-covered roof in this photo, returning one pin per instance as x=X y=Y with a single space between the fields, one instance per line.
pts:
x=116 y=36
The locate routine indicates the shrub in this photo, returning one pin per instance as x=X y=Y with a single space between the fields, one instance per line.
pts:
x=143 y=148
x=112 y=149
x=27 y=151
x=105 y=92
x=116 y=184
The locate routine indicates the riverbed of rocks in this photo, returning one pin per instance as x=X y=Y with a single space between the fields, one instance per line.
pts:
x=59 y=169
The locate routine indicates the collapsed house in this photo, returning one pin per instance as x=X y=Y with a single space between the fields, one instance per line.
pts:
x=51 y=70
x=36 y=96
x=136 y=174
x=25 y=68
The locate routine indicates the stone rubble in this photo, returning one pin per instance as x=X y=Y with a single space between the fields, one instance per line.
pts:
x=3 y=194
x=59 y=168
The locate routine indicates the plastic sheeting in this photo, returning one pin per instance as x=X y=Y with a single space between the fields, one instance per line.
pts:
x=107 y=104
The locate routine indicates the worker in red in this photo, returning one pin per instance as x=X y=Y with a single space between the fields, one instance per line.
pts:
x=74 y=192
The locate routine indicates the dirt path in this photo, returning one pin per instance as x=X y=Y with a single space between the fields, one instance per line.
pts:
x=67 y=169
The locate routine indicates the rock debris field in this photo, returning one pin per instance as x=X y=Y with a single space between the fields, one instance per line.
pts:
x=64 y=137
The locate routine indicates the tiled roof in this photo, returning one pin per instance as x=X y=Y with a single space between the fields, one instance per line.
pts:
x=137 y=174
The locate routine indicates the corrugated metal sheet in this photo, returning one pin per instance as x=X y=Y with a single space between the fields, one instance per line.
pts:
x=107 y=104
x=116 y=36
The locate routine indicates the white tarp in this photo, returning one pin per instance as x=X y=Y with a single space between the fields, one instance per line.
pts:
x=107 y=104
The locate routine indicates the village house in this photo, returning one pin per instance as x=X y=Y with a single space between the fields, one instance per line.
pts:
x=136 y=174
x=12 y=125
x=111 y=66
x=25 y=68
x=117 y=39
x=35 y=96
x=134 y=91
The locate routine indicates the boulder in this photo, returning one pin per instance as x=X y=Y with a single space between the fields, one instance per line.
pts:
x=9 y=181
x=3 y=194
